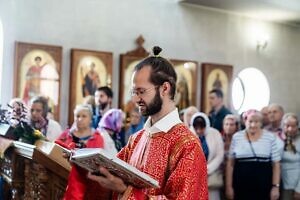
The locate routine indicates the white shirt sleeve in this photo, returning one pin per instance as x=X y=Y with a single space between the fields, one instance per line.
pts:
x=54 y=130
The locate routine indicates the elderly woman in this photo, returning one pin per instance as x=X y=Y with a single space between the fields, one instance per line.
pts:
x=290 y=161
x=212 y=145
x=110 y=126
x=230 y=127
x=82 y=135
x=253 y=169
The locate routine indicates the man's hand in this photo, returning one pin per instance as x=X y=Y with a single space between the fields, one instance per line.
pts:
x=274 y=193
x=109 y=181
x=229 y=193
x=296 y=195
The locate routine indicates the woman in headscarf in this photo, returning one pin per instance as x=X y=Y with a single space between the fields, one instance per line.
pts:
x=110 y=126
x=213 y=148
x=253 y=169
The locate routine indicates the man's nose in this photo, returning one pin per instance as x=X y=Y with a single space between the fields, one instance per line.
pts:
x=135 y=98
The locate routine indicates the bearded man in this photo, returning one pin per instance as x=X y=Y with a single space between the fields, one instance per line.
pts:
x=103 y=101
x=165 y=148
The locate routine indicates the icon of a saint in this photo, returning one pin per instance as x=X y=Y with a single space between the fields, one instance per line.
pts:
x=33 y=79
x=91 y=81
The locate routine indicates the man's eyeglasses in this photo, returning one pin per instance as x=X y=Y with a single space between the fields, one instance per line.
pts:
x=141 y=92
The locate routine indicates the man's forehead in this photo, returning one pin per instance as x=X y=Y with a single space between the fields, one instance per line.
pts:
x=100 y=93
x=140 y=79
x=212 y=95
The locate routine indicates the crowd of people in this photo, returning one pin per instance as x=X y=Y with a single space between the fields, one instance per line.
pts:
x=193 y=155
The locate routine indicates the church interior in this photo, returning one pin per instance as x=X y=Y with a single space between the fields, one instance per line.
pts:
x=201 y=31
x=250 y=49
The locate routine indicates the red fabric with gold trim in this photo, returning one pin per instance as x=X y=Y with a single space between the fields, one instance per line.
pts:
x=175 y=159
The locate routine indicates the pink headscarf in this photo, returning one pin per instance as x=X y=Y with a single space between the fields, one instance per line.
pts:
x=112 y=120
x=249 y=113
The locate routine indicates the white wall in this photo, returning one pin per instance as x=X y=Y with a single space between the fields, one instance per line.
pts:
x=183 y=31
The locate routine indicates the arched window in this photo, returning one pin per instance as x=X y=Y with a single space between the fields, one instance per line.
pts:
x=250 y=89
x=1 y=56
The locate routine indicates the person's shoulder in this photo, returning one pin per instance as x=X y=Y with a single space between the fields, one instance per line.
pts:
x=66 y=132
x=179 y=127
x=183 y=142
x=97 y=135
x=226 y=110
x=212 y=132
x=52 y=122
x=64 y=135
x=181 y=132
x=268 y=134
x=239 y=135
x=211 y=112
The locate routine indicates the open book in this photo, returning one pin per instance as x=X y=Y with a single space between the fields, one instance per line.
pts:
x=92 y=158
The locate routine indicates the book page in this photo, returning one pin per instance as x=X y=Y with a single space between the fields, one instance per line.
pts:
x=54 y=152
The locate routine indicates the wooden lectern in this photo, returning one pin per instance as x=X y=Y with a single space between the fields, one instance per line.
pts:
x=30 y=174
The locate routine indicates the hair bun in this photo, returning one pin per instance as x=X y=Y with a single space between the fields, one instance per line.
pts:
x=156 y=50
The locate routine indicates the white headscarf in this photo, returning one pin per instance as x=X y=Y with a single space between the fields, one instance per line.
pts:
x=204 y=116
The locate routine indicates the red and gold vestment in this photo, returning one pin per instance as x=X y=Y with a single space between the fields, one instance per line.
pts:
x=174 y=158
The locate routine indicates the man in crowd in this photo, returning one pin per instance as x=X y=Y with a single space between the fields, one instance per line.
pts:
x=275 y=114
x=103 y=101
x=265 y=113
x=218 y=111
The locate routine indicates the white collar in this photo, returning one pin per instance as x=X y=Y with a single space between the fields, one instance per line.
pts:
x=164 y=124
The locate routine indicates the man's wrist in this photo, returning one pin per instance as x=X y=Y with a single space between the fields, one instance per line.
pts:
x=276 y=185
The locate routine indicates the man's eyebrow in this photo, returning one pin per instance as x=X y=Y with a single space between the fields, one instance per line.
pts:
x=138 y=88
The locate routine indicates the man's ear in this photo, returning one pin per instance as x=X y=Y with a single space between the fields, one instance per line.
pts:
x=166 y=87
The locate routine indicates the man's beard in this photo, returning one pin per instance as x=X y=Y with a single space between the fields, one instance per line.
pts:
x=153 y=107
x=102 y=106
